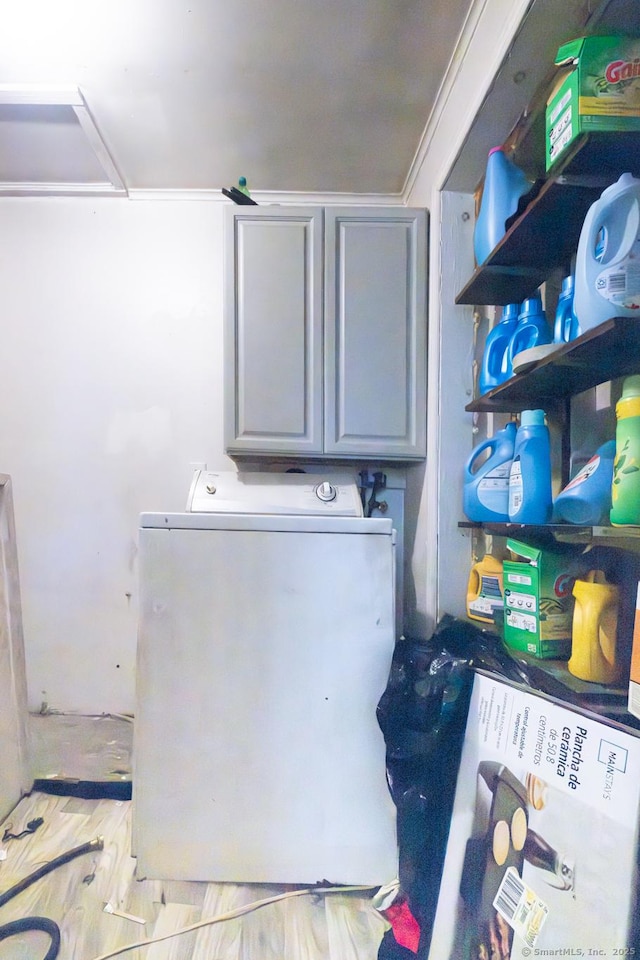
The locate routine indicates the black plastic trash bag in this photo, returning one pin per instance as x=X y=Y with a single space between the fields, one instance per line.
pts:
x=423 y=714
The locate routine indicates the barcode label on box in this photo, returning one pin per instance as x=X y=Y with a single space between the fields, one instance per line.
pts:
x=509 y=894
x=520 y=906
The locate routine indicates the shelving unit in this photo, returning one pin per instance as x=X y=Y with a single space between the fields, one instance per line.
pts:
x=541 y=240
x=627 y=538
x=522 y=260
x=545 y=235
x=604 y=353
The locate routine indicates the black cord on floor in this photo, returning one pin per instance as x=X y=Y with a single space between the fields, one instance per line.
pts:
x=43 y=923
x=35 y=923
x=17 y=888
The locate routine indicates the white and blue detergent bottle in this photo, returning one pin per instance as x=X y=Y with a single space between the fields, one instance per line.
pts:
x=485 y=496
x=608 y=258
x=530 y=498
x=495 y=367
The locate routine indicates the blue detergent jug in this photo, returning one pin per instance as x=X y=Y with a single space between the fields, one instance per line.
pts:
x=486 y=484
x=566 y=325
x=504 y=184
x=532 y=330
x=530 y=499
x=586 y=499
x=495 y=367
x=608 y=257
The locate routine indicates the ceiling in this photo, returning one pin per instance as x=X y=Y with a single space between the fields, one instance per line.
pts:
x=314 y=96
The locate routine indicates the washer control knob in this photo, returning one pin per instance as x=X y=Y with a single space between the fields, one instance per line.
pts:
x=326 y=492
x=211 y=488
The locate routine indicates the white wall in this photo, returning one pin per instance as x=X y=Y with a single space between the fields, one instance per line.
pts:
x=110 y=387
x=442 y=552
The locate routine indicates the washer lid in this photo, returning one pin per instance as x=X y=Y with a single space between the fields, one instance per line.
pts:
x=296 y=494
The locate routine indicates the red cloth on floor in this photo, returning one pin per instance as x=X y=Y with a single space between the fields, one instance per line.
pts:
x=404 y=925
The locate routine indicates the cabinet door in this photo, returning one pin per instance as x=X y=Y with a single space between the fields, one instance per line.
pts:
x=375 y=332
x=273 y=330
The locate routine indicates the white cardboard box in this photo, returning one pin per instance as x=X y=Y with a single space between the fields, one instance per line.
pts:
x=541 y=858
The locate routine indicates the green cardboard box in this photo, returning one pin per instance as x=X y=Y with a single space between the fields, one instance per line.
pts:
x=538 y=602
x=599 y=90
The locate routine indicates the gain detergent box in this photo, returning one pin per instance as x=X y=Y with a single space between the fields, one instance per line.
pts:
x=599 y=90
x=538 y=598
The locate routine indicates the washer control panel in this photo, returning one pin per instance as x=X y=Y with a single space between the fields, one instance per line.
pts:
x=293 y=494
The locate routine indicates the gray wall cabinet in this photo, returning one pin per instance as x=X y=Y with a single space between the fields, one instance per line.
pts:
x=325 y=331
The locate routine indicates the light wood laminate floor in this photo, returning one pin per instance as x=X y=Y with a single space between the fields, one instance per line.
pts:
x=336 y=926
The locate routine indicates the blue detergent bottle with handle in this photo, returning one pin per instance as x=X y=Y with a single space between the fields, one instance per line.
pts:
x=504 y=184
x=495 y=367
x=586 y=499
x=530 y=498
x=486 y=482
x=532 y=330
x=566 y=325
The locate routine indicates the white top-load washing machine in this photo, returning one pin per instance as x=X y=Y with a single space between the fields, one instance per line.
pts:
x=265 y=640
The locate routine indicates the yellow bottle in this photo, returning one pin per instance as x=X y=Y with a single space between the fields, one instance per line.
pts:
x=484 y=590
x=595 y=622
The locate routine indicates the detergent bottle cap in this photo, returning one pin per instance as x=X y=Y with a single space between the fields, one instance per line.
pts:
x=242 y=186
x=531 y=307
x=631 y=386
x=629 y=403
x=626 y=180
x=532 y=418
x=510 y=311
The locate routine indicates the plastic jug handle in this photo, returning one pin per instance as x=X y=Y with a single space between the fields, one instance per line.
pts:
x=490 y=443
x=607 y=629
x=596 y=576
x=473 y=585
x=491 y=348
x=558 y=330
x=591 y=227
x=562 y=329
x=515 y=340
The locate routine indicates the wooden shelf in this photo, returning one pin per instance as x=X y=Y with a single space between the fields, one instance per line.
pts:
x=606 y=352
x=541 y=530
x=625 y=537
x=545 y=235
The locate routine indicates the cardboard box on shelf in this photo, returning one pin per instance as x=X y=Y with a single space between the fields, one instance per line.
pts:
x=599 y=90
x=634 y=678
x=538 y=602
x=541 y=858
